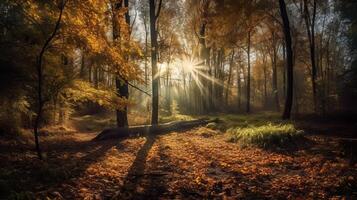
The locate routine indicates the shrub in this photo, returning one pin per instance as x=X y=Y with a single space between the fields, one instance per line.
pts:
x=266 y=136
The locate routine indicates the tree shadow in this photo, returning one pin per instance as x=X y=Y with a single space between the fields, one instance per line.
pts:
x=156 y=181
x=58 y=170
x=62 y=164
x=292 y=147
x=136 y=172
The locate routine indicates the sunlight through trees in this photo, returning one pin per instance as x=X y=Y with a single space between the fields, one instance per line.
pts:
x=140 y=68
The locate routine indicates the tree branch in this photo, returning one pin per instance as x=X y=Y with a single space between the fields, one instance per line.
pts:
x=158 y=10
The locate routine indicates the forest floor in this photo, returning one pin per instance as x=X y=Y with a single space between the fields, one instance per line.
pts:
x=196 y=164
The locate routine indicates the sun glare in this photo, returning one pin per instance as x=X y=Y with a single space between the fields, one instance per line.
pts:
x=193 y=69
x=188 y=65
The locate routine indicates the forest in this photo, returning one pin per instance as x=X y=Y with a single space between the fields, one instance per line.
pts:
x=178 y=99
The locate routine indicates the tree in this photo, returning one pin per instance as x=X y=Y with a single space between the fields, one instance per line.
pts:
x=154 y=14
x=248 y=75
x=274 y=60
x=40 y=77
x=347 y=11
x=121 y=84
x=144 y=14
x=290 y=67
x=310 y=20
x=252 y=18
x=231 y=63
x=170 y=48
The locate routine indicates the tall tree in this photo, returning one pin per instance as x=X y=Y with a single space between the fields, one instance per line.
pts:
x=40 y=99
x=231 y=63
x=121 y=84
x=274 y=59
x=154 y=14
x=248 y=75
x=310 y=20
x=290 y=67
x=144 y=14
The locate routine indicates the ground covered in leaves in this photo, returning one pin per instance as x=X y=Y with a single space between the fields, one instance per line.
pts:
x=198 y=164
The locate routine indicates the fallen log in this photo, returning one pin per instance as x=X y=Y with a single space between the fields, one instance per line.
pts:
x=115 y=133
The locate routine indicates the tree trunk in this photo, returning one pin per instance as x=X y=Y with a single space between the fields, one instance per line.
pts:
x=154 y=51
x=40 y=100
x=229 y=77
x=203 y=55
x=82 y=70
x=123 y=92
x=248 y=75
x=210 y=81
x=265 y=84
x=146 y=55
x=275 y=77
x=168 y=89
x=121 y=85
x=310 y=26
x=289 y=92
x=96 y=78
x=284 y=70
x=239 y=87
x=328 y=65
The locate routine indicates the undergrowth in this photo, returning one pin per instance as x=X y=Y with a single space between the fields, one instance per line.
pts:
x=265 y=136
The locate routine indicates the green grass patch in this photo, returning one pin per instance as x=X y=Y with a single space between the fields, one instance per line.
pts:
x=175 y=117
x=227 y=121
x=265 y=136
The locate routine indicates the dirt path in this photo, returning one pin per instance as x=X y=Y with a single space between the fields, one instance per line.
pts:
x=195 y=166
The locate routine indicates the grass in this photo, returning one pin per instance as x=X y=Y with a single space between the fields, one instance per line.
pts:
x=227 y=121
x=175 y=117
x=265 y=136
x=265 y=130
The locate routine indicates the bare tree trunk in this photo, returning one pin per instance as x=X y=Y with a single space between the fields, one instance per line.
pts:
x=168 y=89
x=239 y=87
x=284 y=71
x=123 y=92
x=221 y=77
x=248 y=75
x=146 y=55
x=328 y=65
x=96 y=78
x=40 y=100
x=154 y=50
x=214 y=76
x=229 y=77
x=210 y=82
x=202 y=100
x=275 y=77
x=265 y=84
x=90 y=74
x=310 y=26
x=290 y=67
x=146 y=70
x=82 y=70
